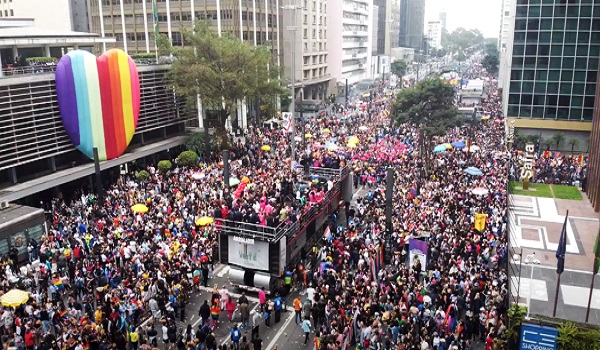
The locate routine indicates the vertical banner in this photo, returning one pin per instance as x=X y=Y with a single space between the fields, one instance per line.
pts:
x=417 y=249
x=282 y=254
x=287 y=121
x=155 y=19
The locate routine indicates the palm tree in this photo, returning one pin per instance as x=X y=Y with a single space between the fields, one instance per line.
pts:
x=557 y=138
x=574 y=143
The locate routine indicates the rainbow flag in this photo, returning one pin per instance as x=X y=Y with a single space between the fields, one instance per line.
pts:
x=63 y=313
x=58 y=284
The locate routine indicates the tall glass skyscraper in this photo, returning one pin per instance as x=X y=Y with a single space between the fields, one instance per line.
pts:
x=555 y=55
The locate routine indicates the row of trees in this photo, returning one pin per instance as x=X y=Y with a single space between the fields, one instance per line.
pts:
x=553 y=142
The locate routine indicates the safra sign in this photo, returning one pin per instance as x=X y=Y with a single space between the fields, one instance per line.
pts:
x=528 y=160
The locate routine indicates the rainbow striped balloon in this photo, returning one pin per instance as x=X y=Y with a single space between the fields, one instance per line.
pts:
x=99 y=100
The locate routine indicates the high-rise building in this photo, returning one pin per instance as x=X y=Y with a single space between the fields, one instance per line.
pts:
x=312 y=68
x=554 y=67
x=131 y=21
x=592 y=186
x=443 y=18
x=51 y=15
x=412 y=23
x=505 y=39
x=506 y=17
x=349 y=57
x=434 y=34
x=375 y=30
x=79 y=15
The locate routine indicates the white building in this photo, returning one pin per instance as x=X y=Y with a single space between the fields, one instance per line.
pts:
x=505 y=42
x=349 y=57
x=312 y=76
x=506 y=17
x=434 y=34
x=52 y=15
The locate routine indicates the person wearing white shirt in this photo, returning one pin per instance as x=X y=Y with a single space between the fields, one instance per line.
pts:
x=310 y=293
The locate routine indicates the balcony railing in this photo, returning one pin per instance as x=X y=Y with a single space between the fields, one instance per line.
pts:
x=51 y=68
x=272 y=234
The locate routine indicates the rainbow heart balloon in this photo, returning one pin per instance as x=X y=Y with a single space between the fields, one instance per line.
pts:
x=99 y=101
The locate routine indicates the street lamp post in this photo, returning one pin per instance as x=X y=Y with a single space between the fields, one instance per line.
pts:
x=293 y=29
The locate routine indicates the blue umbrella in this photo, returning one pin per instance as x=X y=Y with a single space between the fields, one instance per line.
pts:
x=439 y=148
x=473 y=171
x=458 y=144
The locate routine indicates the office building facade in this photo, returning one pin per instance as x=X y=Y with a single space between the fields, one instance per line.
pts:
x=412 y=23
x=506 y=15
x=33 y=137
x=434 y=34
x=554 y=65
x=308 y=19
x=505 y=40
x=593 y=171
x=443 y=17
x=130 y=22
x=350 y=57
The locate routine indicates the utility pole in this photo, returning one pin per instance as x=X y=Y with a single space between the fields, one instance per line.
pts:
x=293 y=29
x=346 y=93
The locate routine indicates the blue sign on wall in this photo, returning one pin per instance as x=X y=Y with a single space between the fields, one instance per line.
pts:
x=534 y=337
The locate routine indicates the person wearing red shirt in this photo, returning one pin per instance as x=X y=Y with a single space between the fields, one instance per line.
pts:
x=29 y=339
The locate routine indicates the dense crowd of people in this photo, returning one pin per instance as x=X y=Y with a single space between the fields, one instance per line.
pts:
x=103 y=267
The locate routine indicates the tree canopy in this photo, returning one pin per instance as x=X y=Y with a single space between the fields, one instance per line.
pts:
x=399 y=68
x=221 y=70
x=462 y=41
x=429 y=104
x=491 y=63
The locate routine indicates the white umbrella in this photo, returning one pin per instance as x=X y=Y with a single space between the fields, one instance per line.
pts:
x=480 y=191
x=363 y=128
x=298 y=138
x=198 y=176
x=472 y=148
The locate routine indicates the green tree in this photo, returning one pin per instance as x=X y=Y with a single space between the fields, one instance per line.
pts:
x=464 y=40
x=221 y=70
x=399 y=68
x=491 y=63
x=196 y=142
x=557 y=138
x=460 y=56
x=187 y=158
x=430 y=106
x=164 y=166
x=142 y=175
x=573 y=143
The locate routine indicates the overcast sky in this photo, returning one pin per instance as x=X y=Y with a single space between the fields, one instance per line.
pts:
x=470 y=14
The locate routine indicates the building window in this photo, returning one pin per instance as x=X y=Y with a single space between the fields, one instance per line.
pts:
x=12 y=14
x=305 y=33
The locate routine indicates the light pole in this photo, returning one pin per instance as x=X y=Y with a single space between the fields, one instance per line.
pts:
x=530 y=259
x=293 y=29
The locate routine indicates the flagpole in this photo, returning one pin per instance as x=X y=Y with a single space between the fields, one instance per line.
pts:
x=594 y=273
x=560 y=255
x=555 y=295
x=587 y=313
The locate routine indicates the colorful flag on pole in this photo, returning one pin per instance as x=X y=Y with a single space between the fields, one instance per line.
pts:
x=597 y=254
x=562 y=248
x=155 y=18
